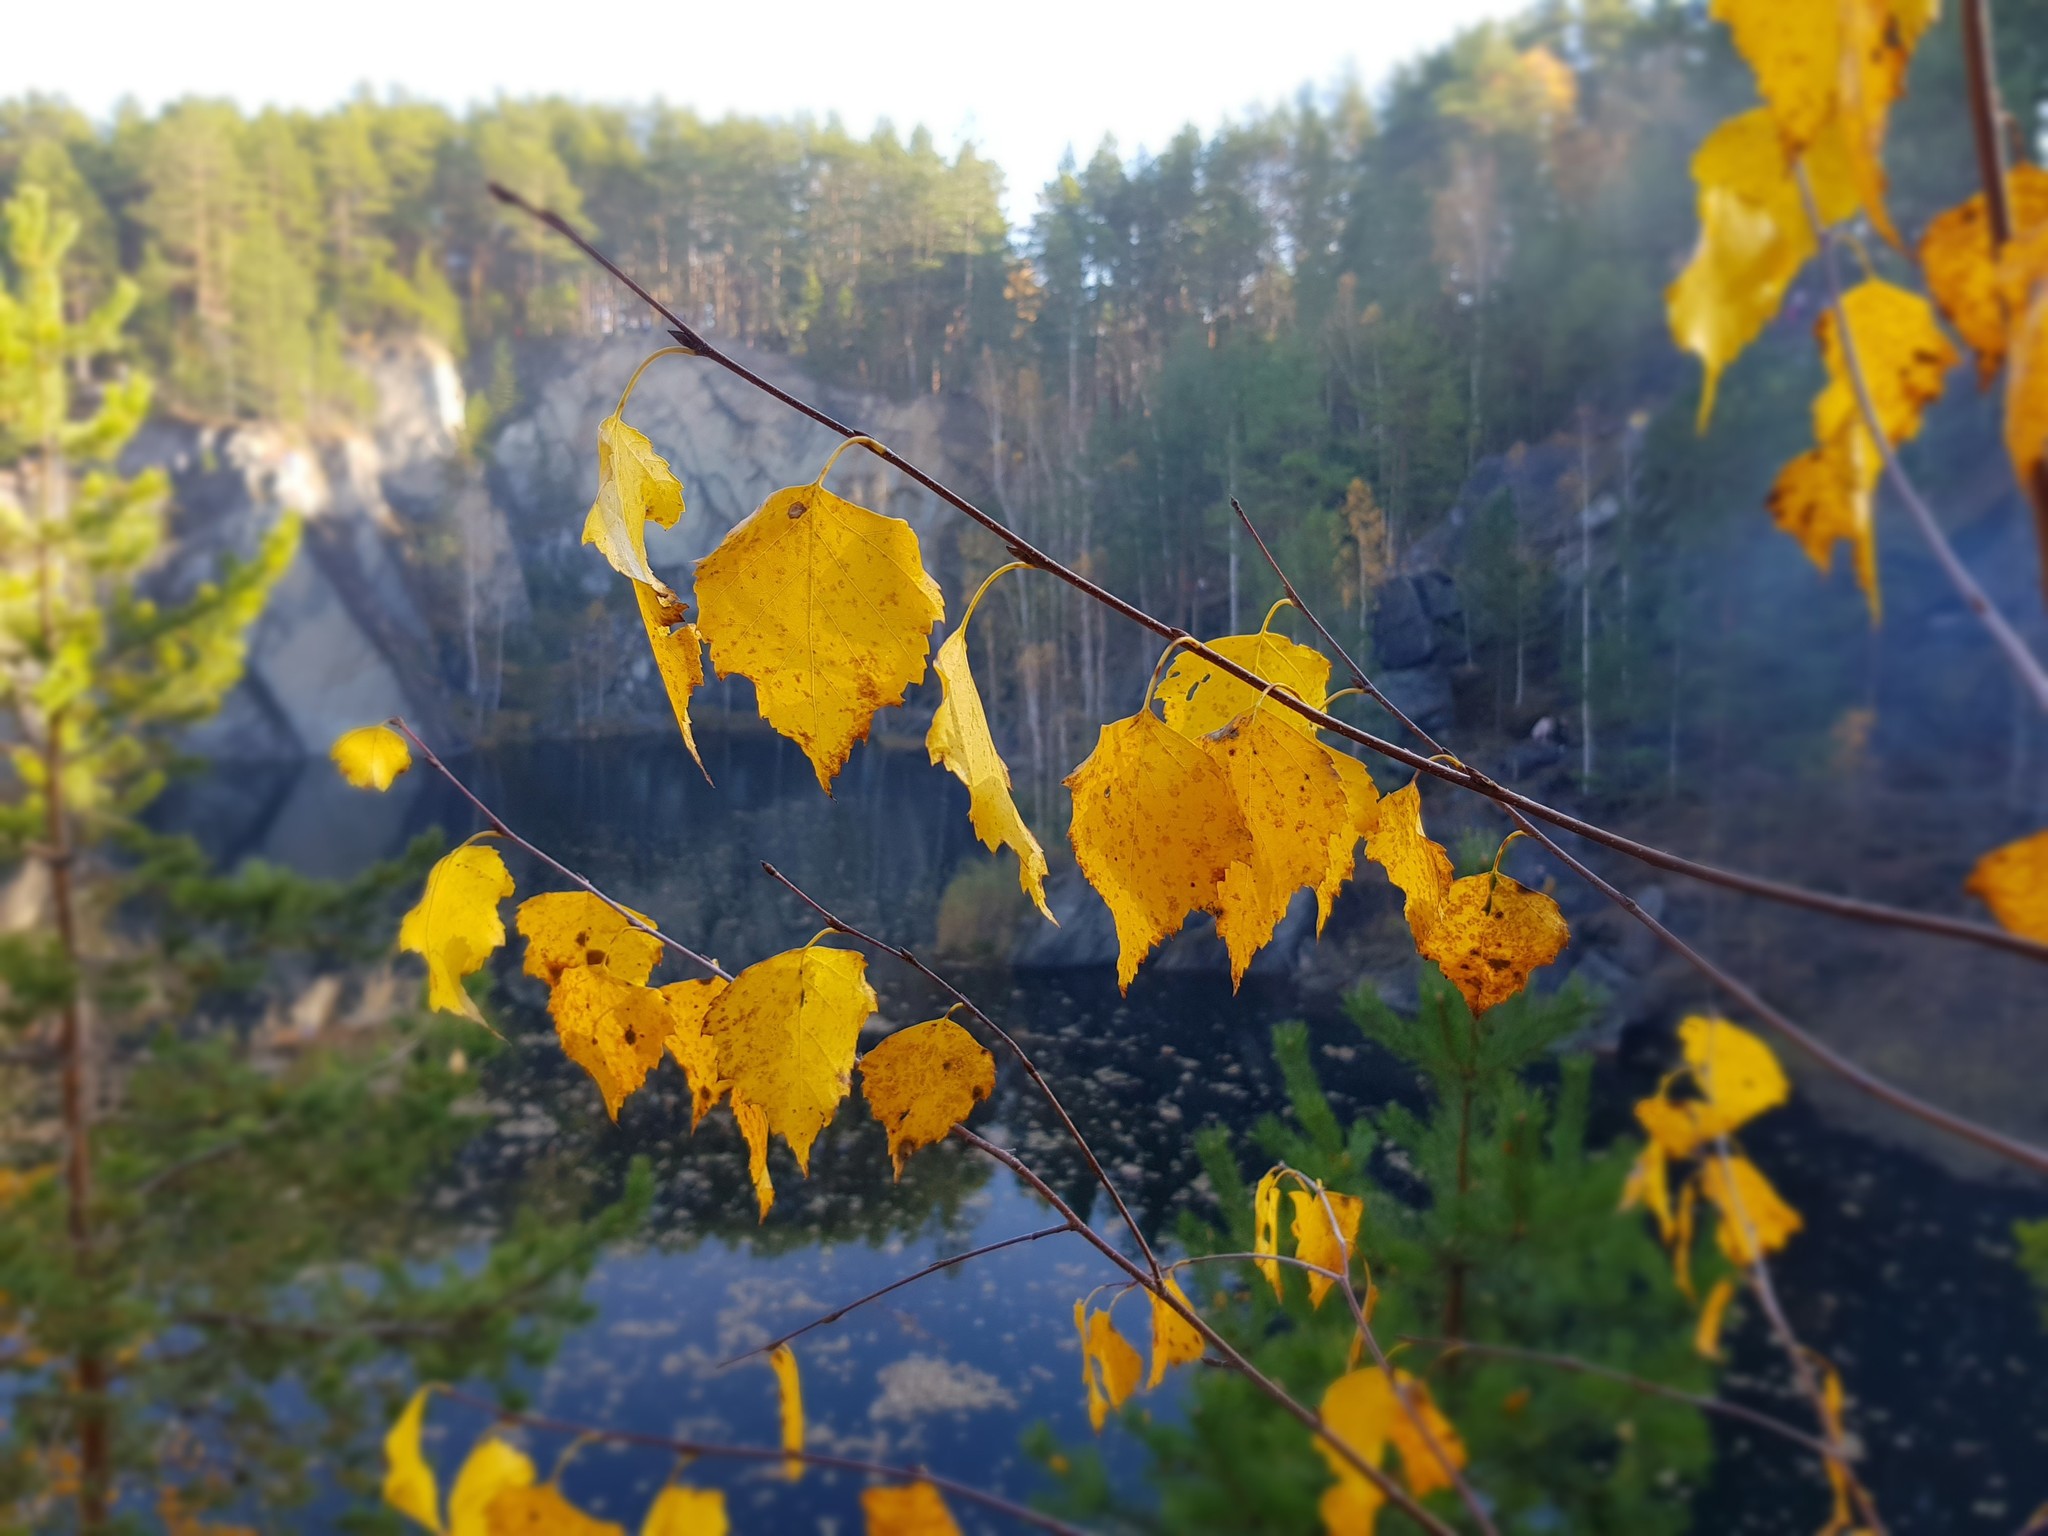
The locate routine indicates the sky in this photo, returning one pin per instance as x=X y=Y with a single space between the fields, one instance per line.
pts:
x=1024 y=83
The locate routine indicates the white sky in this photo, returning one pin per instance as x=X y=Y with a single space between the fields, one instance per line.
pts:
x=1024 y=82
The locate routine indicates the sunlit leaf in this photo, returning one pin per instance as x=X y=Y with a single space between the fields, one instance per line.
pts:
x=1197 y=697
x=1362 y=805
x=1429 y=1445
x=678 y=656
x=1318 y=1242
x=1755 y=1220
x=923 y=1081
x=565 y=929
x=370 y=758
x=2013 y=882
x=688 y=1003
x=1358 y=1409
x=915 y=1509
x=1491 y=933
x=1109 y=1365
x=1418 y=866
x=409 y=1485
x=960 y=739
x=455 y=926
x=1964 y=273
x=635 y=487
x=491 y=1467
x=615 y=1030
x=1266 y=1226
x=1175 y=1340
x=683 y=1511
x=541 y=1510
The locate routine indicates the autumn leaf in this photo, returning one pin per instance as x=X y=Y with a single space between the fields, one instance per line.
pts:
x=409 y=1485
x=695 y=1053
x=678 y=657
x=635 y=486
x=1738 y=1078
x=1794 y=47
x=683 y=1511
x=1155 y=828
x=789 y=1400
x=1350 y=1507
x=542 y=1511
x=1755 y=1220
x=960 y=739
x=1175 y=1340
x=916 y=1509
x=615 y=1030
x=1358 y=1409
x=923 y=1081
x=1649 y=1184
x=826 y=607
x=370 y=758
x=1428 y=1460
x=1109 y=1365
x=1964 y=272
x=753 y=1123
x=1266 y=1227
x=455 y=926
x=1419 y=868
x=2013 y=882
x=1198 y=697
x=565 y=929
x=1362 y=806
x=1706 y=1334
x=785 y=1032
x=1319 y=1243
x=1490 y=934
x=491 y=1467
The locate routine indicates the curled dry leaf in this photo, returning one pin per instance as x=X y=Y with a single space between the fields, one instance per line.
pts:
x=923 y=1081
x=1109 y=1366
x=789 y=1402
x=960 y=739
x=1175 y=1340
x=566 y=929
x=635 y=487
x=2013 y=882
x=915 y=1509
x=372 y=757
x=1319 y=1243
x=455 y=926
x=409 y=1485
x=613 y=1029
x=827 y=609
x=1155 y=829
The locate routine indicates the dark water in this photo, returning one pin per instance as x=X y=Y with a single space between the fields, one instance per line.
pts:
x=1904 y=1277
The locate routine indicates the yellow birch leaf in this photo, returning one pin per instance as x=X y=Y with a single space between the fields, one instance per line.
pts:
x=2013 y=882
x=960 y=739
x=1359 y=1410
x=1492 y=933
x=635 y=486
x=785 y=1032
x=1904 y=354
x=678 y=657
x=491 y=1467
x=565 y=929
x=1155 y=828
x=1350 y=1506
x=1737 y=1072
x=923 y=1081
x=1706 y=1336
x=679 y=1510
x=1823 y=498
x=1681 y=1237
x=1109 y=1365
x=1175 y=1340
x=615 y=1030
x=409 y=1485
x=1755 y=1220
x=2026 y=398
x=455 y=926
x=1266 y=1226
x=753 y=1123
x=1419 y=868
x=1362 y=807
x=1427 y=1460
x=688 y=1002
x=916 y=1509
x=1794 y=48
x=1197 y=697
x=1964 y=273
x=1649 y=1184
x=1319 y=1243
x=1878 y=38
x=826 y=607
x=370 y=758
x=542 y=1511
x=789 y=1399
x=1293 y=804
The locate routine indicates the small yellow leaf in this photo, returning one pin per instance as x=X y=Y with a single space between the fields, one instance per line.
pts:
x=565 y=929
x=785 y=1032
x=688 y=1002
x=455 y=925
x=826 y=607
x=753 y=1123
x=1294 y=805
x=1963 y=271
x=960 y=739
x=1706 y=1336
x=1109 y=1365
x=1358 y=1409
x=679 y=1510
x=1491 y=934
x=1266 y=1226
x=1795 y=49
x=1155 y=828
x=614 y=1030
x=1175 y=1340
x=1419 y=868
x=1823 y=497
x=1427 y=1460
x=1649 y=1183
x=2013 y=882
x=1350 y=1506
x=1755 y=1220
x=789 y=1397
x=1197 y=697
x=370 y=758
x=542 y=1511
x=1738 y=1078
x=678 y=657
x=635 y=486
x=409 y=1485
x=491 y=1467
x=1362 y=803
x=923 y=1081
x=916 y=1509
x=1319 y=1243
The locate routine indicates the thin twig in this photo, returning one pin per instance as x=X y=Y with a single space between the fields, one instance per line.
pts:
x=776 y=1454
x=498 y=825
x=908 y=957
x=1975 y=598
x=896 y=1285
x=1451 y=773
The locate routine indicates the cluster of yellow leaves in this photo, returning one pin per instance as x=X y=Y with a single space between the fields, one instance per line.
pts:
x=497 y=1491
x=1325 y=1231
x=1364 y=1412
x=2013 y=882
x=1734 y=1077
x=1110 y=1368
